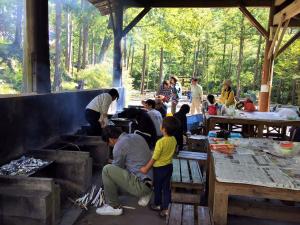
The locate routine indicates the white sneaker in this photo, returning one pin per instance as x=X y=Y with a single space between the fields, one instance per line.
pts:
x=107 y=210
x=144 y=200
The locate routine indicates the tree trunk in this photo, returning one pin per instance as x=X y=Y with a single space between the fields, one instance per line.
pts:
x=129 y=54
x=144 y=69
x=85 y=45
x=161 y=63
x=257 y=65
x=279 y=99
x=147 y=74
x=104 y=47
x=57 y=74
x=72 y=61
x=224 y=47
x=293 y=92
x=132 y=58
x=106 y=42
x=230 y=63
x=68 y=49
x=92 y=53
x=240 y=60
x=207 y=60
x=125 y=52
x=18 y=33
x=197 y=48
x=79 y=50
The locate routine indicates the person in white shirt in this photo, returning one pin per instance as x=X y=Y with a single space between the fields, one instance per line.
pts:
x=154 y=115
x=96 y=110
x=197 y=94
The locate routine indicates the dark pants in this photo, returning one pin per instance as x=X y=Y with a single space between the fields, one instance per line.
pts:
x=162 y=185
x=93 y=118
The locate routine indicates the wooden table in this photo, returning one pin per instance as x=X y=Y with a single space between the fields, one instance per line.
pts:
x=258 y=119
x=221 y=205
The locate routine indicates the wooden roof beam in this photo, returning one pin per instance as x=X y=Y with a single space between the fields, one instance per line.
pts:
x=189 y=3
x=288 y=43
x=288 y=12
x=135 y=21
x=253 y=21
x=281 y=37
x=196 y=3
x=279 y=2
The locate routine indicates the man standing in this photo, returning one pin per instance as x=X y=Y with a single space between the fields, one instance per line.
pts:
x=96 y=110
x=130 y=153
x=197 y=94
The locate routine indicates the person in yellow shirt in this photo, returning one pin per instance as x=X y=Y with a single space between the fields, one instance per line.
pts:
x=227 y=94
x=161 y=162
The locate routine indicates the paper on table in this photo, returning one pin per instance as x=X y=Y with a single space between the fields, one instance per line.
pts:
x=253 y=169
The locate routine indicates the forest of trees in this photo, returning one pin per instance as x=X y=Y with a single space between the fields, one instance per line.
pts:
x=211 y=44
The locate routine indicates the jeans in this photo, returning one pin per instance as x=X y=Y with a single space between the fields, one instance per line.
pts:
x=162 y=185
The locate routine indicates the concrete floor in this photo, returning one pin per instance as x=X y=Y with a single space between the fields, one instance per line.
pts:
x=145 y=216
x=137 y=216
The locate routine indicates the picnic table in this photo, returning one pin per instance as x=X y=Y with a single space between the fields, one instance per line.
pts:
x=260 y=120
x=253 y=172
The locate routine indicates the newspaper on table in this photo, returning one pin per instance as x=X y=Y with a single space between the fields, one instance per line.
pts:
x=253 y=165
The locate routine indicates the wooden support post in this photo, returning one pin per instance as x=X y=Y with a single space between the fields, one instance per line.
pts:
x=160 y=68
x=144 y=70
x=265 y=91
x=36 y=76
x=135 y=20
x=117 y=62
x=253 y=21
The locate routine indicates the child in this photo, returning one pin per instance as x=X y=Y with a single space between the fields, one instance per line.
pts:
x=162 y=165
x=212 y=107
x=246 y=105
x=249 y=105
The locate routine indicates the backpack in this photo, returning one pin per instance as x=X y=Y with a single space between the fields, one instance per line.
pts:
x=212 y=109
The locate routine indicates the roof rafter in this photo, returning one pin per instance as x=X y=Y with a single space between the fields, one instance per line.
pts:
x=291 y=10
x=103 y=5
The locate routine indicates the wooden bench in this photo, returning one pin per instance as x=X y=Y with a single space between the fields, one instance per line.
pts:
x=180 y=214
x=187 y=181
x=201 y=157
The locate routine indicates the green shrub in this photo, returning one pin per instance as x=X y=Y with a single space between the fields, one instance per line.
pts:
x=97 y=76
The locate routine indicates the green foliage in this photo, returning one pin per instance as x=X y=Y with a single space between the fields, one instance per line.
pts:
x=10 y=76
x=97 y=76
x=204 y=42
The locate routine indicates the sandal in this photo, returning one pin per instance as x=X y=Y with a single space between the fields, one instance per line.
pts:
x=155 y=207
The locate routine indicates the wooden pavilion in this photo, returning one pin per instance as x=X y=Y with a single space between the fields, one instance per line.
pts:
x=283 y=14
x=29 y=121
